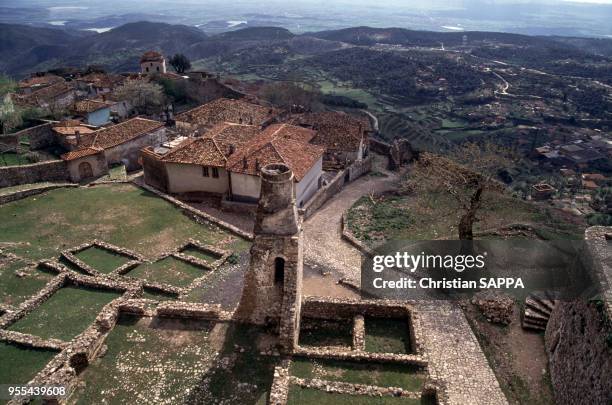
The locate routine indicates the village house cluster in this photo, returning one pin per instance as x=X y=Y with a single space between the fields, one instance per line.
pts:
x=215 y=149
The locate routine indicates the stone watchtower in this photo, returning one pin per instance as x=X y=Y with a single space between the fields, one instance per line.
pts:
x=273 y=283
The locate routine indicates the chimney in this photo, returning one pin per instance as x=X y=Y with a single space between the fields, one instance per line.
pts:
x=257 y=166
x=232 y=149
x=245 y=162
x=77 y=135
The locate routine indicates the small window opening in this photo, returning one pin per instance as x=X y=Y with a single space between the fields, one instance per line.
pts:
x=279 y=270
x=215 y=172
x=205 y=171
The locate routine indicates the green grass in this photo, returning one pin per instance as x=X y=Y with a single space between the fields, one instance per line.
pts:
x=243 y=365
x=121 y=214
x=13 y=159
x=169 y=271
x=148 y=360
x=13 y=289
x=70 y=265
x=386 y=335
x=199 y=254
x=316 y=332
x=21 y=364
x=67 y=313
x=158 y=295
x=101 y=259
x=309 y=396
x=382 y=375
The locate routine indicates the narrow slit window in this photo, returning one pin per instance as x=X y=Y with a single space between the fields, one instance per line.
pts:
x=279 y=271
x=215 y=172
x=205 y=171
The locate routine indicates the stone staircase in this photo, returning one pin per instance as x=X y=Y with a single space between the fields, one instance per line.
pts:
x=538 y=308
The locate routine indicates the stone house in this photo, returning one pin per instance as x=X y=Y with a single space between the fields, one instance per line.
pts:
x=227 y=161
x=222 y=110
x=279 y=143
x=152 y=62
x=122 y=142
x=94 y=112
x=96 y=84
x=198 y=164
x=85 y=163
x=55 y=98
x=344 y=137
x=37 y=82
x=68 y=133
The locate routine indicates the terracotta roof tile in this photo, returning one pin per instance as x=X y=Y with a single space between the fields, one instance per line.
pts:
x=121 y=133
x=335 y=131
x=102 y=80
x=213 y=148
x=40 y=81
x=151 y=56
x=71 y=130
x=277 y=144
x=226 y=110
x=80 y=153
x=89 y=106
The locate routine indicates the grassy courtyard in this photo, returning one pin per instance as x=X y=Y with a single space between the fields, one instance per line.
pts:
x=101 y=259
x=21 y=364
x=148 y=361
x=384 y=335
x=168 y=271
x=14 y=289
x=199 y=254
x=319 y=332
x=67 y=313
x=382 y=375
x=172 y=361
x=121 y=214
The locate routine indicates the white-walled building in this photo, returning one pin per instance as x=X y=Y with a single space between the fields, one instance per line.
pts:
x=227 y=161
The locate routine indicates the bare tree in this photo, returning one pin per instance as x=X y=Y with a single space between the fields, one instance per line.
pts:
x=467 y=175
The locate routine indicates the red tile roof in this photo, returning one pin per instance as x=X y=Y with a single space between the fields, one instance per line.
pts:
x=80 y=153
x=226 y=110
x=121 y=133
x=102 y=80
x=45 y=94
x=40 y=81
x=335 y=131
x=89 y=106
x=213 y=148
x=277 y=144
x=151 y=56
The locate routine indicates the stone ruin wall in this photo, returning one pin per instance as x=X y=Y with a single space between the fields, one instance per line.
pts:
x=578 y=336
x=55 y=170
x=355 y=170
x=40 y=136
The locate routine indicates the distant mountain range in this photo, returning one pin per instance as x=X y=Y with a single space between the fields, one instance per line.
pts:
x=25 y=49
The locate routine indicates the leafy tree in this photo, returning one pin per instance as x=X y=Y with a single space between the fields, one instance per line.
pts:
x=142 y=95
x=180 y=63
x=469 y=178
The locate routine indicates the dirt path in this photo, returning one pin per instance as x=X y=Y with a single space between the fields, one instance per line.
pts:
x=323 y=243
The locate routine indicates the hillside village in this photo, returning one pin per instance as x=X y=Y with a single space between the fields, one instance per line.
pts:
x=216 y=148
x=214 y=249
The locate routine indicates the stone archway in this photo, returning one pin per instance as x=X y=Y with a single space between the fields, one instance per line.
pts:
x=85 y=170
